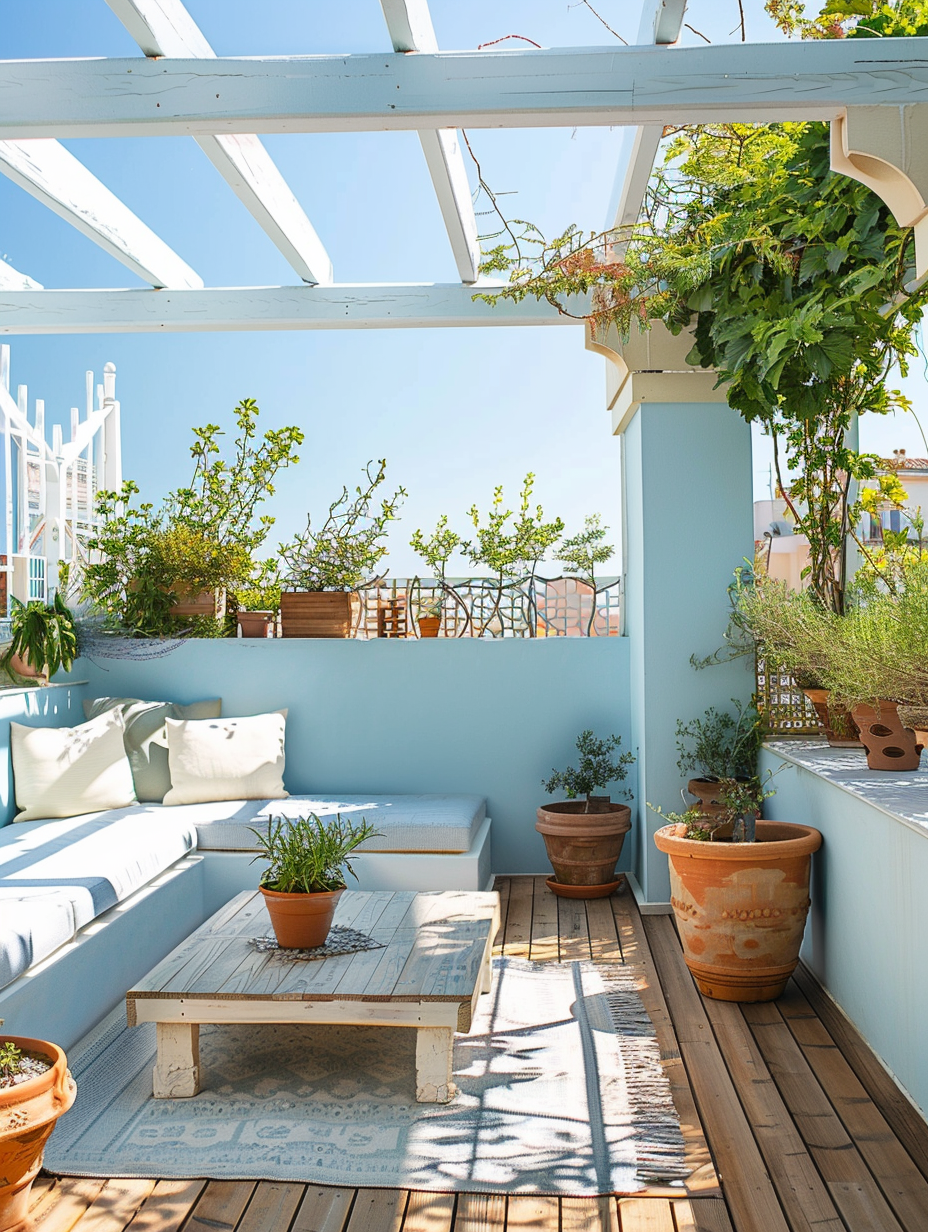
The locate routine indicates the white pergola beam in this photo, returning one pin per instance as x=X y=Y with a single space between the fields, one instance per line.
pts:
x=51 y=174
x=661 y=23
x=12 y=280
x=410 y=25
x=165 y=28
x=341 y=306
x=815 y=80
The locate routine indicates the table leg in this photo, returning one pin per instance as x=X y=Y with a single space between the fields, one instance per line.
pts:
x=486 y=972
x=433 y=1065
x=177 y=1073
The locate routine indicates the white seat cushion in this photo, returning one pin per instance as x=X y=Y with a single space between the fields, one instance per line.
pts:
x=33 y=924
x=408 y=823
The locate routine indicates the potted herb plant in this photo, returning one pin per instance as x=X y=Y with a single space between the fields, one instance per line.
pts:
x=584 y=837
x=324 y=566
x=305 y=877
x=36 y=1088
x=257 y=603
x=723 y=747
x=44 y=639
x=740 y=903
x=429 y=608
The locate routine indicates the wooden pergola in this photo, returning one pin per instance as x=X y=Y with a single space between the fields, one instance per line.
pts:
x=874 y=92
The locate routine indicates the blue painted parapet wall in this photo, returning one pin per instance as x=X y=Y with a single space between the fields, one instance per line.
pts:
x=865 y=940
x=466 y=715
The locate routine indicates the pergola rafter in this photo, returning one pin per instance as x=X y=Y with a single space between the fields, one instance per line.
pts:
x=410 y=25
x=12 y=280
x=165 y=28
x=51 y=174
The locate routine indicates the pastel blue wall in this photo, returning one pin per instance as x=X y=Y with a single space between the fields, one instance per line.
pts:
x=869 y=917
x=464 y=715
x=53 y=707
x=688 y=495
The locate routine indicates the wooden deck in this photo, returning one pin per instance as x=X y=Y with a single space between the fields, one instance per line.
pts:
x=807 y=1131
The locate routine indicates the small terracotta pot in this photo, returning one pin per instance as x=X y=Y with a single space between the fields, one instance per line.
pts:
x=28 y=1114
x=255 y=624
x=429 y=626
x=584 y=848
x=889 y=745
x=22 y=667
x=741 y=907
x=316 y=613
x=836 y=721
x=300 y=921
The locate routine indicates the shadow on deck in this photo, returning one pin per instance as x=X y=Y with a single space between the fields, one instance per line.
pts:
x=807 y=1131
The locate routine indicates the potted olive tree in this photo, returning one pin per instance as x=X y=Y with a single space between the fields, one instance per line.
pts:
x=324 y=567
x=584 y=836
x=307 y=860
x=36 y=1088
x=44 y=639
x=723 y=746
x=740 y=903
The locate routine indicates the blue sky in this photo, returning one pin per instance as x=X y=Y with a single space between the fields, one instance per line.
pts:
x=454 y=411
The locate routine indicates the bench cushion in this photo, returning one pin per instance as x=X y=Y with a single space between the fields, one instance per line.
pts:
x=95 y=860
x=33 y=924
x=409 y=823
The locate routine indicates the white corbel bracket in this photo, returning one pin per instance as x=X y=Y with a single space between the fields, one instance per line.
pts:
x=886 y=148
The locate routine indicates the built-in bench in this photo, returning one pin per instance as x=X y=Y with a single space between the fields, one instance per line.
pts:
x=90 y=903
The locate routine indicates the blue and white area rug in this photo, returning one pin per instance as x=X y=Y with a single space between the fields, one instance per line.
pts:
x=561 y=1092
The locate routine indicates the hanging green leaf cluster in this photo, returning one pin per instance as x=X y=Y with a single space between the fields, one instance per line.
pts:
x=797 y=283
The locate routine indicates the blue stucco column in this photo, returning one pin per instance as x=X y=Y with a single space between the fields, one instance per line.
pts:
x=687 y=484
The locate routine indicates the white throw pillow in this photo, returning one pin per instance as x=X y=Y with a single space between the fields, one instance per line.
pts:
x=226 y=759
x=66 y=771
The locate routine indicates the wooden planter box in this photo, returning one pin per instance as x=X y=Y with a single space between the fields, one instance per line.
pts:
x=202 y=603
x=316 y=613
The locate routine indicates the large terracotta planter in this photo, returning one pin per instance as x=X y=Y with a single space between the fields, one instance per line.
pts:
x=316 y=613
x=255 y=624
x=300 y=921
x=21 y=666
x=28 y=1113
x=836 y=721
x=584 y=848
x=741 y=907
x=889 y=744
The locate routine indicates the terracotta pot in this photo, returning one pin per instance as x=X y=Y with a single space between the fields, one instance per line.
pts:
x=300 y=921
x=741 y=907
x=584 y=848
x=889 y=745
x=255 y=624
x=22 y=667
x=836 y=721
x=28 y=1113
x=316 y=613
x=429 y=626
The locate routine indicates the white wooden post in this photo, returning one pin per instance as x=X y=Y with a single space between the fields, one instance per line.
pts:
x=7 y=473
x=177 y=1072
x=434 y=1046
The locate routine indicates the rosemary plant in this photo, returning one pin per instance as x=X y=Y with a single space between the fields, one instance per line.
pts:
x=307 y=856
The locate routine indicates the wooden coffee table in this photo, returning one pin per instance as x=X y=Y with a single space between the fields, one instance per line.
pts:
x=435 y=963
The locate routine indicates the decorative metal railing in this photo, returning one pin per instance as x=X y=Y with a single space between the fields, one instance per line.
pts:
x=480 y=607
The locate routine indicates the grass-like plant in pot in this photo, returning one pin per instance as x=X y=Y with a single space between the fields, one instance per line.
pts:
x=740 y=902
x=36 y=1088
x=44 y=639
x=584 y=833
x=323 y=567
x=305 y=877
